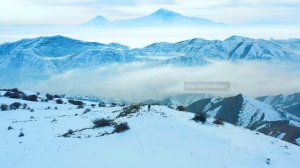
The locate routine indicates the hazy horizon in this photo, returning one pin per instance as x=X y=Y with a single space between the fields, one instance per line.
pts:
x=132 y=36
x=269 y=19
x=79 y=11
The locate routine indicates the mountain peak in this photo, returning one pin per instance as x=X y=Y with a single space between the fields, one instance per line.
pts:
x=99 y=17
x=57 y=38
x=97 y=20
x=239 y=38
x=164 y=12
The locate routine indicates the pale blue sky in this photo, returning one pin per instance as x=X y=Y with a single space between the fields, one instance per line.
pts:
x=78 y=11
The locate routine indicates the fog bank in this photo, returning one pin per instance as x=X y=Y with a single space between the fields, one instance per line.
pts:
x=137 y=81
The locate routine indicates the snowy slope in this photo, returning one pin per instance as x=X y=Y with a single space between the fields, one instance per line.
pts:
x=240 y=110
x=161 y=137
x=251 y=113
x=289 y=103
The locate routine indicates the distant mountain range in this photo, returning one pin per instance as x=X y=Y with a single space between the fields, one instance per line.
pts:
x=161 y=17
x=233 y=48
x=41 y=57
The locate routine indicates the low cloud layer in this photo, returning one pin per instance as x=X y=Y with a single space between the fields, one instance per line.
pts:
x=136 y=81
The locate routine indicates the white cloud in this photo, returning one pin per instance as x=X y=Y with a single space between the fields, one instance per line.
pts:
x=137 y=82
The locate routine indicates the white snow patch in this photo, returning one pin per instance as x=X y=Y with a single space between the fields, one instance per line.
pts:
x=280 y=136
x=298 y=141
x=252 y=107
x=214 y=112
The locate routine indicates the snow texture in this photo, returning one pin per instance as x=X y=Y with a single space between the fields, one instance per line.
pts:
x=161 y=137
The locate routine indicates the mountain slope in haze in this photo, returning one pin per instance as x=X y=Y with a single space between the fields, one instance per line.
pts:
x=180 y=99
x=160 y=137
x=98 y=21
x=159 y=18
x=289 y=103
x=250 y=113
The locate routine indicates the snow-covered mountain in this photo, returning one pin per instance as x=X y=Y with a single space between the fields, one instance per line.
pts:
x=63 y=135
x=250 y=113
x=38 y=58
x=161 y=17
x=234 y=48
x=98 y=21
x=41 y=57
x=289 y=103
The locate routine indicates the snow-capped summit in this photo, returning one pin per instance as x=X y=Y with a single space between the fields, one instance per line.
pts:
x=238 y=38
x=164 y=13
x=161 y=17
x=164 y=17
x=98 y=21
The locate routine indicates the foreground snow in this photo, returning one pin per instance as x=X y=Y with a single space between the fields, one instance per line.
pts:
x=160 y=138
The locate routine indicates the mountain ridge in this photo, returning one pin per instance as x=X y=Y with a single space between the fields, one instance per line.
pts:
x=45 y=56
x=286 y=102
x=250 y=113
x=161 y=17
